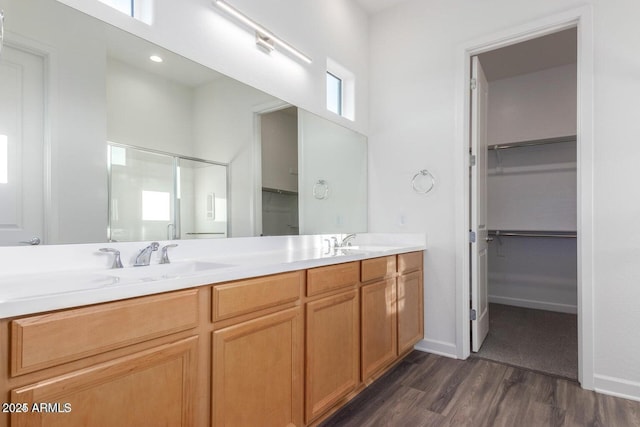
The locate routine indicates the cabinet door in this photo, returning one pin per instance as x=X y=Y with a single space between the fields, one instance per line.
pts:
x=379 y=341
x=333 y=351
x=150 y=388
x=410 y=311
x=257 y=372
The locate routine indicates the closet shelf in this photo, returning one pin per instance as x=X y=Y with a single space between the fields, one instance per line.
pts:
x=533 y=233
x=278 y=191
x=533 y=142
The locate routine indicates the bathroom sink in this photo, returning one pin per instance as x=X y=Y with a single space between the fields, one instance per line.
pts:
x=165 y=271
x=366 y=248
x=54 y=283
x=25 y=286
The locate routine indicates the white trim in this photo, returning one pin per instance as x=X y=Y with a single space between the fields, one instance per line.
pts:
x=582 y=19
x=537 y=305
x=441 y=348
x=618 y=387
x=256 y=203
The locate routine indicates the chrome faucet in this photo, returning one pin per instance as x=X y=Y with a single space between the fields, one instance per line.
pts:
x=116 y=258
x=144 y=256
x=346 y=241
x=164 y=255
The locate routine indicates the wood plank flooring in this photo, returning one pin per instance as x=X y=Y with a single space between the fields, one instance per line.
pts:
x=430 y=390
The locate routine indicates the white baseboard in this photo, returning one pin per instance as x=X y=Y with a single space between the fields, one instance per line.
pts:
x=618 y=387
x=538 y=305
x=440 y=348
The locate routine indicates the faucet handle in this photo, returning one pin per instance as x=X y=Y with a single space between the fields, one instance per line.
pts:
x=117 y=263
x=164 y=256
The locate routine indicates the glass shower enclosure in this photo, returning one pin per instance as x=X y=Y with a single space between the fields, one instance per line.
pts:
x=162 y=196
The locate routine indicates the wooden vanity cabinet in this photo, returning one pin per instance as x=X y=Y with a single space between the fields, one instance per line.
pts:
x=410 y=300
x=257 y=352
x=332 y=337
x=378 y=315
x=125 y=363
x=281 y=350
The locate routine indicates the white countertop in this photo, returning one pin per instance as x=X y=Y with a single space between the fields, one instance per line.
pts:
x=62 y=283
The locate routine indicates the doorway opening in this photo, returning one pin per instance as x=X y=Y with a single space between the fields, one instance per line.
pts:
x=279 y=180
x=524 y=204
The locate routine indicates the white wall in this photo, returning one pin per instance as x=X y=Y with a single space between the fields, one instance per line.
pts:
x=413 y=56
x=533 y=106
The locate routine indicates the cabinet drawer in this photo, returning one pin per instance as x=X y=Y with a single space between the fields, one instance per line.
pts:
x=246 y=296
x=378 y=268
x=324 y=279
x=409 y=262
x=48 y=340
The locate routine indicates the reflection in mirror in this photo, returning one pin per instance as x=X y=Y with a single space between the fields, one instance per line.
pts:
x=99 y=86
x=157 y=196
x=279 y=139
x=333 y=177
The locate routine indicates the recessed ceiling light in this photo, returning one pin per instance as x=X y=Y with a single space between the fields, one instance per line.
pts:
x=155 y=58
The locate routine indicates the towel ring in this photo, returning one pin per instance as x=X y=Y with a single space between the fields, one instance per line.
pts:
x=423 y=182
x=321 y=189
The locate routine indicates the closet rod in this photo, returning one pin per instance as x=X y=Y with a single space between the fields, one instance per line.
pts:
x=533 y=142
x=277 y=191
x=558 y=234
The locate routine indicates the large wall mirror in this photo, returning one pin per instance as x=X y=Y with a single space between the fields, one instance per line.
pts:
x=98 y=142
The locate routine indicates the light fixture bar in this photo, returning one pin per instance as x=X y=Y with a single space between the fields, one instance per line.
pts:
x=262 y=30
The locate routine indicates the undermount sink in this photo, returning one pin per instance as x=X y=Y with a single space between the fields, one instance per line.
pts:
x=165 y=271
x=71 y=282
x=55 y=283
x=366 y=248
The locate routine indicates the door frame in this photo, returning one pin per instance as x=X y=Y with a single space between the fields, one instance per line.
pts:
x=581 y=19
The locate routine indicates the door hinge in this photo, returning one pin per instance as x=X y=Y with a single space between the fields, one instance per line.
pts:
x=472 y=314
x=472 y=159
x=472 y=236
x=474 y=84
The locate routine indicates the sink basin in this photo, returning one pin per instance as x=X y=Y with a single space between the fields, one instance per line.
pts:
x=366 y=248
x=54 y=283
x=165 y=271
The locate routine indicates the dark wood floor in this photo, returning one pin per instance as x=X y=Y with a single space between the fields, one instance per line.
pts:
x=430 y=390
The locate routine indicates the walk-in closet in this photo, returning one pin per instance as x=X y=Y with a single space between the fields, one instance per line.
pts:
x=531 y=204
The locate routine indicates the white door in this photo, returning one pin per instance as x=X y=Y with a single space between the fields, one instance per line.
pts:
x=21 y=147
x=479 y=248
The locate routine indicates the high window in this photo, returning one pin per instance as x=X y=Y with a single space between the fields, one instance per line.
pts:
x=340 y=90
x=138 y=9
x=334 y=93
x=124 y=6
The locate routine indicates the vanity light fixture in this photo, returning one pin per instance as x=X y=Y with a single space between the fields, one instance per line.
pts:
x=155 y=58
x=265 y=39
